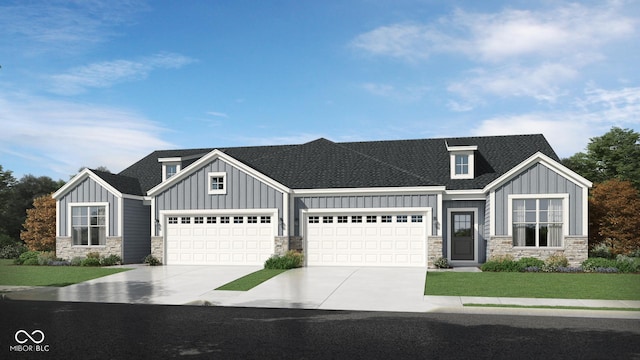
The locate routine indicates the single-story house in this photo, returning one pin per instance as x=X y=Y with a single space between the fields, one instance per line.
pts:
x=372 y=203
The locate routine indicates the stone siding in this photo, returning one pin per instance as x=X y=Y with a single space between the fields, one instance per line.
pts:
x=65 y=249
x=286 y=243
x=157 y=248
x=576 y=249
x=434 y=250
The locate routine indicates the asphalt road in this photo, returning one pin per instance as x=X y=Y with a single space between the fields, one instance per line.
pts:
x=124 y=331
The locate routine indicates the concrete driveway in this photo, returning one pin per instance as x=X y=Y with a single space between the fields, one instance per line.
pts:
x=339 y=288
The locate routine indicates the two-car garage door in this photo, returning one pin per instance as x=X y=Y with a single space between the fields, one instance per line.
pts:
x=367 y=239
x=215 y=239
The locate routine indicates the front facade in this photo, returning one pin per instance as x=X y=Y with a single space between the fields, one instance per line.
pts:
x=384 y=203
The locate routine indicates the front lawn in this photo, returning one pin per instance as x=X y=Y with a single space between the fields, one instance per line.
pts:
x=23 y=275
x=535 y=285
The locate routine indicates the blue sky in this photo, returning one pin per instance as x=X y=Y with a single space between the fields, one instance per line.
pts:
x=103 y=83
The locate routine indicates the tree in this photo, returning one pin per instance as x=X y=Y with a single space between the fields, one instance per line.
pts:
x=40 y=225
x=614 y=216
x=7 y=181
x=614 y=155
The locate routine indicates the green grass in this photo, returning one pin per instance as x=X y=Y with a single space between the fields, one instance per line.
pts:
x=552 y=307
x=535 y=285
x=252 y=280
x=21 y=275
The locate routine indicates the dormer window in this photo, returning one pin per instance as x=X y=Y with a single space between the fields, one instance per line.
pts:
x=170 y=167
x=170 y=170
x=462 y=161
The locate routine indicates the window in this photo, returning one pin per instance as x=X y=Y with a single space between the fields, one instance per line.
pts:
x=238 y=219
x=211 y=219
x=185 y=220
x=537 y=222
x=265 y=219
x=173 y=220
x=198 y=220
x=372 y=219
x=89 y=225
x=224 y=219
x=356 y=219
x=314 y=219
x=343 y=219
x=252 y=219
x=171 y=170
x=217 y=183
x=327 y=219
x=401 y=218
x=416 y=218
x=386 y=218
x=462 y=165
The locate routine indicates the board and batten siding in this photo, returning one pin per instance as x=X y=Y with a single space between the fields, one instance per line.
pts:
x=136 y=224
x=243 y=192
x=539 y=179
x=89 y=191
x=366 y=202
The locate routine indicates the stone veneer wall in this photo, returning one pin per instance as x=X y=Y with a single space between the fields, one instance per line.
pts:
x=576 y=249
x=157 y=248
x=434 y=250
x=286 y=243
x=65 y=249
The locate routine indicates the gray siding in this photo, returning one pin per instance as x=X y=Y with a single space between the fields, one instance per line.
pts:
x=366 y=201
x=243 y=192
x=136 y=231
x=481 y=220
x=539 y=179
x=89 y=191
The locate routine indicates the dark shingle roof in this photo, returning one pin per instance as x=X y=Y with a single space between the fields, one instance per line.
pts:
x=122 y=183
x=394 y=163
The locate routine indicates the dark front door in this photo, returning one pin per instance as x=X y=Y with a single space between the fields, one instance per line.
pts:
x=462 y=236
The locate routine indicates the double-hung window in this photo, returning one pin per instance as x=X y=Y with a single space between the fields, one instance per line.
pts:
x=462 y=164
x=89 y=225
x=537 y=222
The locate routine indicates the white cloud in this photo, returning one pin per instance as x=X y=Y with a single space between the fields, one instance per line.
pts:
x=62 y=136
x=108 y=73
x=406 y=94
x=217 y=114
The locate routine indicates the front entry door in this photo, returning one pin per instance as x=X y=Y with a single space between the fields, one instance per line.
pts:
x=462 y=241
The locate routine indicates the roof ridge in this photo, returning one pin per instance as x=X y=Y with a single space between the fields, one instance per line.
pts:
x=384 y=163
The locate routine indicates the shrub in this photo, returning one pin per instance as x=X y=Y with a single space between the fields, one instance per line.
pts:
x=530 y=262
x=292 y=259
x=93 y=255
x=151 y=260
x=627 y=264
x=59 y=263
x=554 y=262
x=46 y=257
x=601 y=250
x=532 y=269
x=441 y=263
x=90 y=261
x=76 y=261
x=111 y=260
x=28 y=258
x=591 y=264
x=501 y=264
x=12 y=251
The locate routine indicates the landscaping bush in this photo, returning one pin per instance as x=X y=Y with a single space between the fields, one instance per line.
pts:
x=76 y=261
x=627 y=264
x=530 y=262
x=59 y=263
x=28 y=258
x=111 y=260
x=292 y=259
x=501 y=264
x=12 y=251
x=600 y=250
x=441 y=263
x=554 y=262
x=46 y=257
x=151 y=260
x=90 y=261
x=93 y=255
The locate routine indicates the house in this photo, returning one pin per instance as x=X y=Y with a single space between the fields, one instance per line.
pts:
x=373 y=203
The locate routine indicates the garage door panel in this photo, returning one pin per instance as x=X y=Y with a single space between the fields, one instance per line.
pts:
x=398 y=241
x=243 y=241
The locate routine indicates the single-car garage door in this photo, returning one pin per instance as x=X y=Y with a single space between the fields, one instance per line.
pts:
x=384 y=239
x=219 y=239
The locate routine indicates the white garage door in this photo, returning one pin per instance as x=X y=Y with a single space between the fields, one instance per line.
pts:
x=219 y=240
x=366 y=239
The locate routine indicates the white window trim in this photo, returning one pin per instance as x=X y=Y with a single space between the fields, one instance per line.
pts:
x=565 y=215
x=452 y=161
x=222 y=191
x=85 y=204
x=164 y=169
